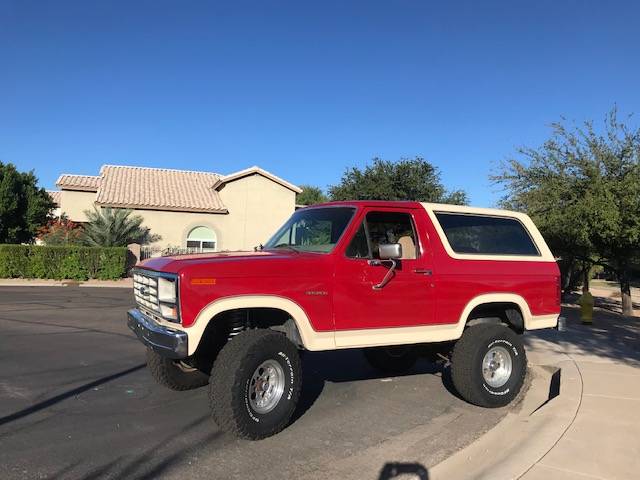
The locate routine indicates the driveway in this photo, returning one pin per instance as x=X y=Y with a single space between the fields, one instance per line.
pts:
x=76 y=401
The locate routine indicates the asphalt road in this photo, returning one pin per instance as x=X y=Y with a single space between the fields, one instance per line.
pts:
x=77 y=402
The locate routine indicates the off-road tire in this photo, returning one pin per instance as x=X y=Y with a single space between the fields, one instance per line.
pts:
x=168 y=373
x=467 y=365
x=391 y=359
x=230 y=384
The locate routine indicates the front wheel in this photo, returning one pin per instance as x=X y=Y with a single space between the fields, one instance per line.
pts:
x=488 y=365
x=255 y=384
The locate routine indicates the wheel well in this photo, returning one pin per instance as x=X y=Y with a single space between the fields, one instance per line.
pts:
x=507 y=313
x=226 y=325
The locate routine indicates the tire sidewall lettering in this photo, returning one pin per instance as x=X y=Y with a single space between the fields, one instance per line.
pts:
x=510 y=345
x=494 y=392
x=284 y=360
x=291 y=373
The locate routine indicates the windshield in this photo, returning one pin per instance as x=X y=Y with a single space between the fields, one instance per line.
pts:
x=312 y=230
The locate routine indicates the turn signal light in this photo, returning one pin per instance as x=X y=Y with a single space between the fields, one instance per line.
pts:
x=169 y=312
x=203 y=281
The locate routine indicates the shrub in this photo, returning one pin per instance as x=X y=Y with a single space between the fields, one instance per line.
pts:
x=61 y=231
x=62 y=262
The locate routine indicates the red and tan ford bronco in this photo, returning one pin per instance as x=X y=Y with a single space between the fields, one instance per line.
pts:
x=395 y=279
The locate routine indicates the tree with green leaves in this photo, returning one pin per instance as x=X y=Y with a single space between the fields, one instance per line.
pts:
x=115 y=227
x=24 y=207
x=407 y=179
x=310 y=195
x=582 y=189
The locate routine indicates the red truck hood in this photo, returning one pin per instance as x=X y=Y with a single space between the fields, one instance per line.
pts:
x=224 y=259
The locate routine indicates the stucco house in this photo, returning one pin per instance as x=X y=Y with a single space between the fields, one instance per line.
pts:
x=199 y=211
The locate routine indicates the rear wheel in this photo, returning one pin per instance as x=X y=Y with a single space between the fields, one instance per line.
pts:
x=255 y=384
x=488 y=365
x=395 y=359
x=175 y=374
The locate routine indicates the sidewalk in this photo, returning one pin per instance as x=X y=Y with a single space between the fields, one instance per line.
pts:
x=603 y=441
x=584 y=423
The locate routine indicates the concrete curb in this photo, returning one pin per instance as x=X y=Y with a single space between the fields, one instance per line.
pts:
x=522 y=438
x=66 y=283
x=128 y=285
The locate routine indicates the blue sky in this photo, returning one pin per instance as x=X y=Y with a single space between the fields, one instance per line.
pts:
x=305 y=89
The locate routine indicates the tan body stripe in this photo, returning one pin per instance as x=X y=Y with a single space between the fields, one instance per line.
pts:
x=318 y=341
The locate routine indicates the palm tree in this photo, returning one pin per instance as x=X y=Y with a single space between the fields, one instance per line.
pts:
x=115 y=227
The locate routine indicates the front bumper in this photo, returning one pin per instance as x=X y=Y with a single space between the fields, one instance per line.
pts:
x=167 y=342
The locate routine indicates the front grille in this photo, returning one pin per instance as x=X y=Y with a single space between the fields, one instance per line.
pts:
x=145 y=290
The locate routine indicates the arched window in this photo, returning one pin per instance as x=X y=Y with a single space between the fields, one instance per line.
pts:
x=201 y=239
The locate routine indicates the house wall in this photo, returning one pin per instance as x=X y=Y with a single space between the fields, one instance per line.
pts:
x=256 y=206
x=174 y=227
x=260 y=206
x=73 y=203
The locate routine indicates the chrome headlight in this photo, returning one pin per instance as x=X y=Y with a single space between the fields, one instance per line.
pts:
x=168 y=298
x=167 y=290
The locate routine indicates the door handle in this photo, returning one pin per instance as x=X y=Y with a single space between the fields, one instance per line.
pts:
x=423 y=271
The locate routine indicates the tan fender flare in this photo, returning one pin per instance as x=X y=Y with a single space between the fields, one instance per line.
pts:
x=531 y=322
x=311 y=339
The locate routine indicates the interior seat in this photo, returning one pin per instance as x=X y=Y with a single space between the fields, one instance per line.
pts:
x=408 y=247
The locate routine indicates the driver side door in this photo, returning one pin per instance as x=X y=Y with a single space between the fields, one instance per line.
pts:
x=407 y=299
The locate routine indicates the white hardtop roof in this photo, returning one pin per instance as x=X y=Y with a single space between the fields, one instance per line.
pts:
x=445 y=207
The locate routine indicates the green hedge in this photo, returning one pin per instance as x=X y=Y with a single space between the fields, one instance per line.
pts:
x=70 y=262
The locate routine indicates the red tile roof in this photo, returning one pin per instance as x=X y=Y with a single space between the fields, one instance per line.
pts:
x=158 y=189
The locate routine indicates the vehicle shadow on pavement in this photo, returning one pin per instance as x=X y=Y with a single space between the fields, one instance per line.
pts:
x=447 y=382
x=345 y=366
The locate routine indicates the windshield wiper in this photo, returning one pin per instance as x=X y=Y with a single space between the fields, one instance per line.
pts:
x=284 y=245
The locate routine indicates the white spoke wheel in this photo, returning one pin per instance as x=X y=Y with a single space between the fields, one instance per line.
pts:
x=497 y=367
x=488 y=365
x=266 y=387
x=255 y=384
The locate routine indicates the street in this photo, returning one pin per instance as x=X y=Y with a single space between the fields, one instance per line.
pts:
x=76 y=401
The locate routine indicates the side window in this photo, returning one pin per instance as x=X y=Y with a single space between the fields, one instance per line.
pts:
x=480 y=234
x=384 y=228
x=392 y=227
x=359 y=247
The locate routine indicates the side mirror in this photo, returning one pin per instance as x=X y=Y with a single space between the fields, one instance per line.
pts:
x=390 y=251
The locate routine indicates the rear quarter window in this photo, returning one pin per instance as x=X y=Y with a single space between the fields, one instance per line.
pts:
x=486 y=235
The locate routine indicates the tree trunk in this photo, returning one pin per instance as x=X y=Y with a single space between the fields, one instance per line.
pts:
x=625 y=289
x=566 y=281
x=585 y=278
